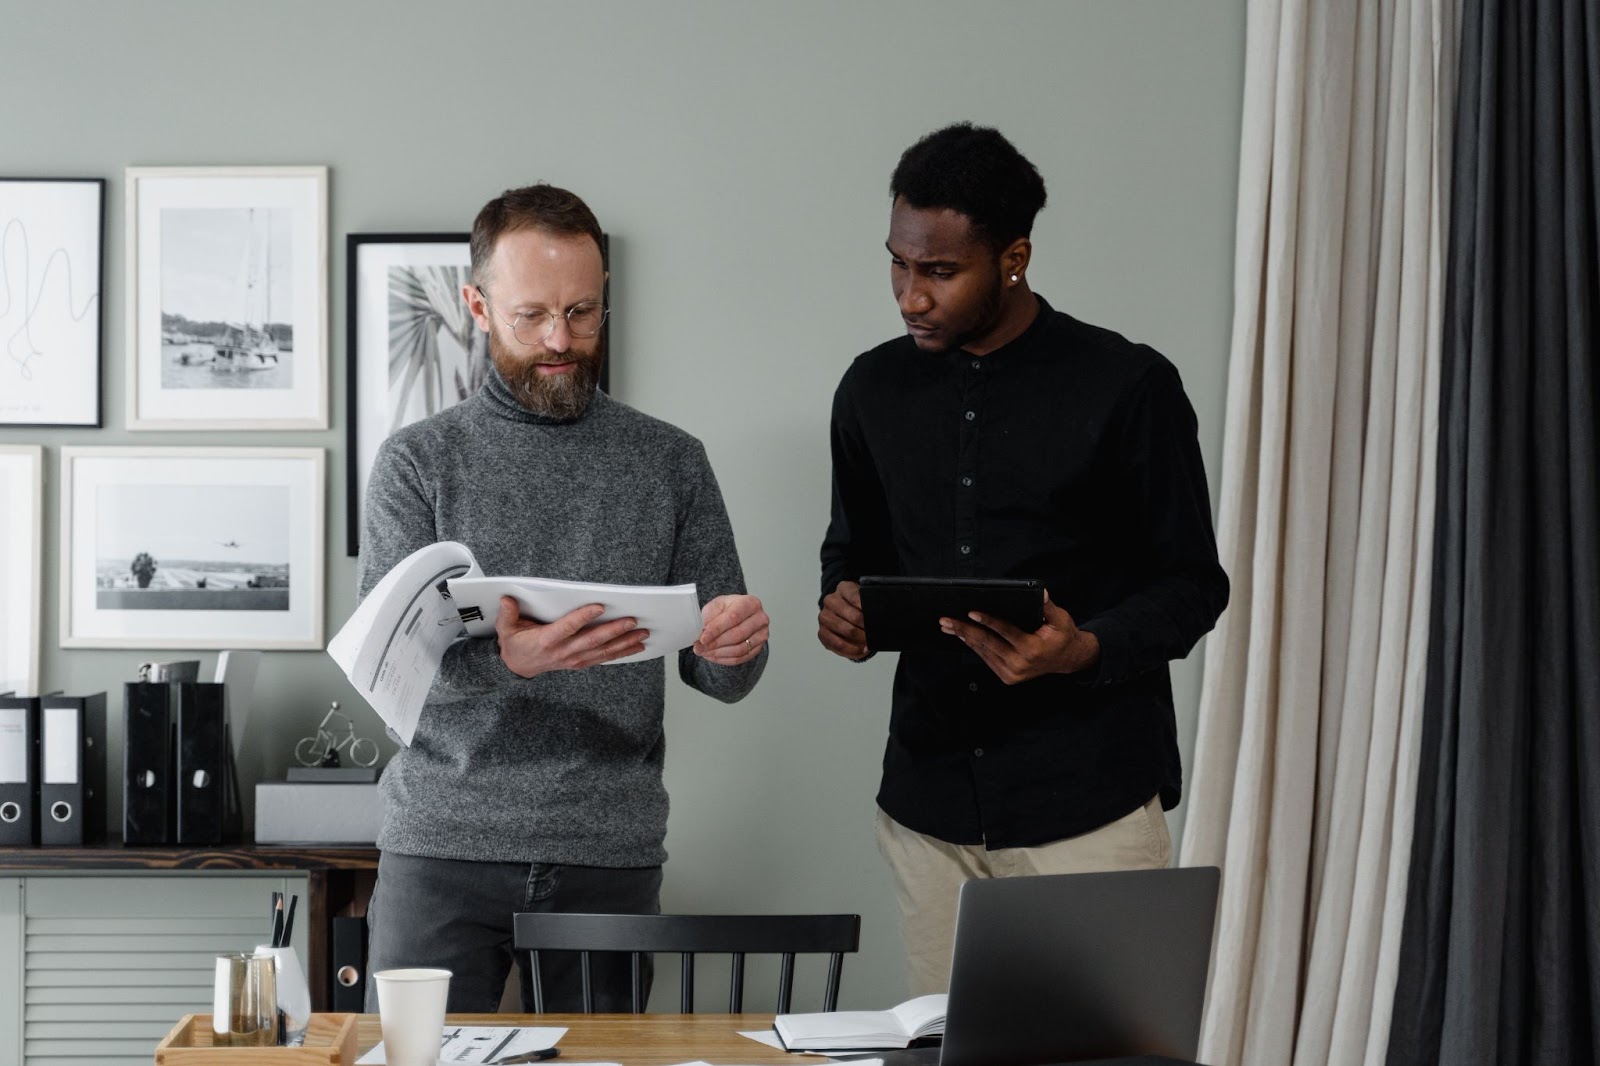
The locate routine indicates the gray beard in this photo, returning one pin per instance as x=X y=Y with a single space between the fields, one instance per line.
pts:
x=560 y=396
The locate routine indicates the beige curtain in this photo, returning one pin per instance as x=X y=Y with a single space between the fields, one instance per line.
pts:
x=1304 y=770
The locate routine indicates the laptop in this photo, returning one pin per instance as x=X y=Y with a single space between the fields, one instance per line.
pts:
x=1072 y=967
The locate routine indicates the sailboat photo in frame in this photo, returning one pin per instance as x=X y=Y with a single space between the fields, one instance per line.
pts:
x=227 y=309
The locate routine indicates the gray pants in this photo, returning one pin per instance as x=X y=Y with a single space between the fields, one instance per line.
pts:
x=457 y=915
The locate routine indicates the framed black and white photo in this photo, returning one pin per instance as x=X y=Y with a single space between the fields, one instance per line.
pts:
x=413 y=348
x=191 y=547
x=21 y=533
x=51 y=235
x=227 y=300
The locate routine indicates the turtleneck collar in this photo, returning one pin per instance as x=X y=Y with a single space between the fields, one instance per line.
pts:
x=497 y=396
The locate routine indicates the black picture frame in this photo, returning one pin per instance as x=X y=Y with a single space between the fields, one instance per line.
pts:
x=431 y=259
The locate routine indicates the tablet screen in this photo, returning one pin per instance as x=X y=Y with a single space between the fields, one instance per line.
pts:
x=902 y=613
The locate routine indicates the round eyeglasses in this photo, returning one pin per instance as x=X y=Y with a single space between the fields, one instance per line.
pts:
x=532 y=327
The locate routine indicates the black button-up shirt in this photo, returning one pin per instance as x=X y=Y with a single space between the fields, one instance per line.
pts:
x=1068 y=455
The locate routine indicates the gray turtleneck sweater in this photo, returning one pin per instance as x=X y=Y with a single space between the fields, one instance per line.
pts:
x=564 y=767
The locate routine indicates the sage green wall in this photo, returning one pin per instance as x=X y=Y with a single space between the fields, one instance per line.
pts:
x=739 y=153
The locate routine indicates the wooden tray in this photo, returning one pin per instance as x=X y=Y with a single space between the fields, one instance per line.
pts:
x=330 y=1041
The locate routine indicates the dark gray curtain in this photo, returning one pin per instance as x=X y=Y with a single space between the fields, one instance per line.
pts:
x=1500 y=957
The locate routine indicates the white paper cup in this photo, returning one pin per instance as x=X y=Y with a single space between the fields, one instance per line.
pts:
x=411 y=1012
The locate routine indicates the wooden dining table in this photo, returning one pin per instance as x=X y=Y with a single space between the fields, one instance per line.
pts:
x=665 y=1039
x=635 y=1039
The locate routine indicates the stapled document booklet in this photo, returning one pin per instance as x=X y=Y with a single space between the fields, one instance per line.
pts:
x=866 y=1029
x=391 y=647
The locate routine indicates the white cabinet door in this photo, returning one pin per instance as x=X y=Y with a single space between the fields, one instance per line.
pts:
x=10 y=969
x=109 y=964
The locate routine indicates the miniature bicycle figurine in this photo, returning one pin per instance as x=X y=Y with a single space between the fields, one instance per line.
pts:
x=323 y=749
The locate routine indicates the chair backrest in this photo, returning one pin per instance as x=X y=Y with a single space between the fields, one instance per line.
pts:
x=689 y=935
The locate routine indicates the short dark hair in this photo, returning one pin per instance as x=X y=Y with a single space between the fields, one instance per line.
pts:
x=542 y=207
x=975 y=171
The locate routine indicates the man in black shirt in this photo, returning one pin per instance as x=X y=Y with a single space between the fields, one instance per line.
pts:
x=1003 y=438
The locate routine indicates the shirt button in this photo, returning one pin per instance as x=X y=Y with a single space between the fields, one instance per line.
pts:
x=966 y=549
x=976 y=364
x=971 y=415
x=966 y=482
x=978 y=752
x=972 y=686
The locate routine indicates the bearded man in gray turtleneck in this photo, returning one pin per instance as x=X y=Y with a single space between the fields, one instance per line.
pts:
x=534 y=779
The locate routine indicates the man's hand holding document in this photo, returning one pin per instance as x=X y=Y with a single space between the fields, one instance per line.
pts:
x=391 y=647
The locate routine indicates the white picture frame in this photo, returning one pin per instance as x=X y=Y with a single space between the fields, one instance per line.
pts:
x=233 y=539
x=227 y=298
x=52 y=236
x=21 y=560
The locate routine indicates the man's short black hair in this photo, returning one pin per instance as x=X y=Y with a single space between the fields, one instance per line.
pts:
x=975 y=171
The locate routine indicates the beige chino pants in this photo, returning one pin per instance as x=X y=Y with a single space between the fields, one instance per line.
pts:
x=928 y=874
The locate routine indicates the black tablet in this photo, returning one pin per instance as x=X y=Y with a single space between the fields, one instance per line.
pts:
x=902 y=613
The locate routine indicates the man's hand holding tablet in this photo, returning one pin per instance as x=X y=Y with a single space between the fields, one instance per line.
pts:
x=1015 y=655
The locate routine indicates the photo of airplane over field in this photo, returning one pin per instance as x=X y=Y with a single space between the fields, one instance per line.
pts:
x=193 y=547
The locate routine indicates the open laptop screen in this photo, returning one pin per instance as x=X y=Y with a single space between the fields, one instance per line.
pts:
x=1058 y=968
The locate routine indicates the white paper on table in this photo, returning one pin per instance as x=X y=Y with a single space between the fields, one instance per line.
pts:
x=773 y=1040
x=480 y=1043
x=702 y=1062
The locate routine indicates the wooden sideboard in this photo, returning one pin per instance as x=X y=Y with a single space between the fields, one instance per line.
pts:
x=339 y=880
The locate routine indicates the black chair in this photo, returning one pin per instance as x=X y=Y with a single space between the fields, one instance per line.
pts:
x=688 y=935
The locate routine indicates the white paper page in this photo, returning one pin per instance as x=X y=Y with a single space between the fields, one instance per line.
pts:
x=236 y=671
x=770 y=1038
x=670 y=612
x=479 y=1043
x=13 y=746
x=391 y=646
x=914 y=1014
x=838 y=1030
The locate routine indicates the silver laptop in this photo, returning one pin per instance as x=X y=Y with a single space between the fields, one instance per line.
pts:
x=1071 y=967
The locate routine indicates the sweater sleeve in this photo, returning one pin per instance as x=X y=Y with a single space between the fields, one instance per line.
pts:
x=399 y=519
x=704 y=553
x=1165 y=481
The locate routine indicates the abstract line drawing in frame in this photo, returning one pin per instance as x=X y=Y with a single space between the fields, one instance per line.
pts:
x=52 y=236
x=21 y=536
x=204 y=547
x=227 y=300
x=413 y=349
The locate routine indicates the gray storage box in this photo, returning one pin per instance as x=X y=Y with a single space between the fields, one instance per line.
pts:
x=290 y=812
